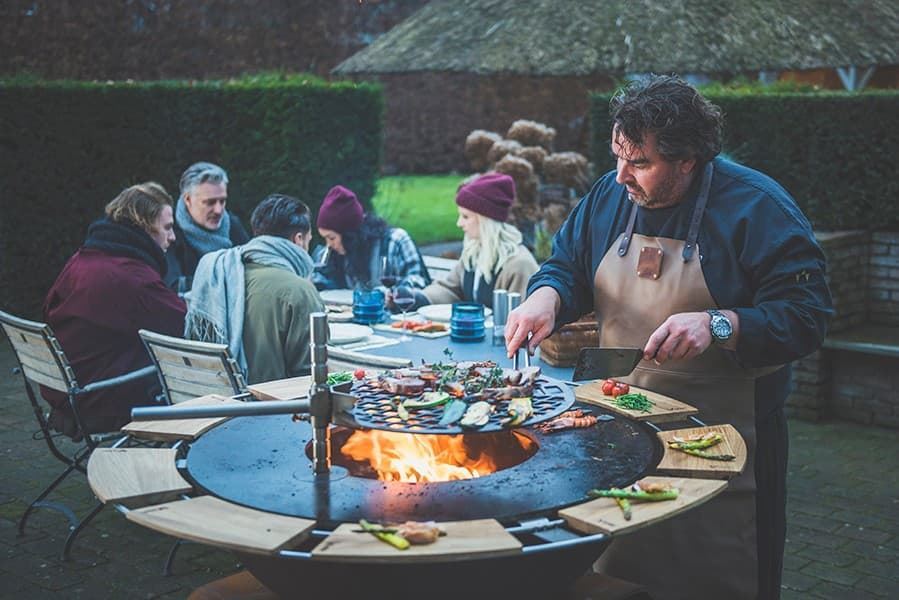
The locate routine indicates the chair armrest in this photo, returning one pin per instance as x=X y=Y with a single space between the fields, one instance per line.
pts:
x=113 y=381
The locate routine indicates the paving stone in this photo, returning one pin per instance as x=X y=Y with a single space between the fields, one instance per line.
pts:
x=828 y=556
x=879 y=586
x=794 y=562
x=815 y=538
x=825 y=525
x=831 y=573
x=872 y=551
x=879 y=569
x=854 y=532
x=832 y=591
x=797 y=581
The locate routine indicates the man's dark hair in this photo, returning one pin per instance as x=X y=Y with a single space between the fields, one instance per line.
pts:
x=282 y=216
x=685 y=124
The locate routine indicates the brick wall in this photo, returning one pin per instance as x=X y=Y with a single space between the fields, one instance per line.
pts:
x=883 y=278
x=866 y=388
x=863 y=274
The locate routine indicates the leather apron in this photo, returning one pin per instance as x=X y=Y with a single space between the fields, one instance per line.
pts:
x=709 y=551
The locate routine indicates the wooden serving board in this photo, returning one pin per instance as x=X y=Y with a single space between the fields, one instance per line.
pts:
x=464 y=540
x=425 y=334
x=179 y=429
x=282 y=389
x=209 y=520
x=604 y=515
x=664 y=409
x=135 y=476
x=675 y=462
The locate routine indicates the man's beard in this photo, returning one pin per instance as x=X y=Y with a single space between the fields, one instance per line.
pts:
x=669 y=192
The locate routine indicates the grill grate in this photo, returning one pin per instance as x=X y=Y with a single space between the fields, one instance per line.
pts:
x=375 y=409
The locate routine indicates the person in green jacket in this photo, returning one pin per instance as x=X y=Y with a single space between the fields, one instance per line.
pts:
x=257 y=298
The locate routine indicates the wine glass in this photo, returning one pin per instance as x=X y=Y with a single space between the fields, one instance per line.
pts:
x=404 y=298
x=322 y=258
x=388 y=279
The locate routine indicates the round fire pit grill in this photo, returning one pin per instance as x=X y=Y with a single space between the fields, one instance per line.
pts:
x=375 y=409
x=262 y=462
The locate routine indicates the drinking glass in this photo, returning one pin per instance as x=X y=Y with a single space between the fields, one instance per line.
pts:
x=388 y=279
x=404 y=298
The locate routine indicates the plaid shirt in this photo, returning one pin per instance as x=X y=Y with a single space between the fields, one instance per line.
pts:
x=403 y=260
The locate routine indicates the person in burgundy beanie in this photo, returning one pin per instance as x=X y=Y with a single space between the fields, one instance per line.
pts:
x=360 y=248
x=493 y=256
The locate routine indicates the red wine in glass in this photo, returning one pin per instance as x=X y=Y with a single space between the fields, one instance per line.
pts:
x=388 y=281
x=403 y=303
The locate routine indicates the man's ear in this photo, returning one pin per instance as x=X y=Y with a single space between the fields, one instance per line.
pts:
x=687 y=165
x=298 y=238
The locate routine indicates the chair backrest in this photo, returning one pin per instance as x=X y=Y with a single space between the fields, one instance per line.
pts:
x=439 y=267
x=189 y=369
x=39 y=353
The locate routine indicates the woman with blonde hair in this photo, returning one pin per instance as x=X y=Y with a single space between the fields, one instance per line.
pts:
x=493 y=256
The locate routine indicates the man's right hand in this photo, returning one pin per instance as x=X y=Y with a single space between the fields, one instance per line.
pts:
x=537 y=316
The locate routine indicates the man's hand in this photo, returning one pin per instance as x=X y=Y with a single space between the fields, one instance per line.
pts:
x=536 y=315
x=681 y=336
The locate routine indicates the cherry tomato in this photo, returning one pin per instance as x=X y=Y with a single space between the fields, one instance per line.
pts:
x=359 y=373
x=608 y=386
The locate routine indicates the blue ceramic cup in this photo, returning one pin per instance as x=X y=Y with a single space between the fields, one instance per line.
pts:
x=368 y=305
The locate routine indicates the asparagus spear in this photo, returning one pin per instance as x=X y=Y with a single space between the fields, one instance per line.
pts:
x=625 y=506
x=395 y=540
x=669 y=494
x=704 y=454
x=706 y=441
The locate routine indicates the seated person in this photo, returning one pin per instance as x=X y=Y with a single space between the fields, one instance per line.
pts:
x=201 y=223
x=493 y=256
x=110 y=288
x=356 y=244
x=257 y=297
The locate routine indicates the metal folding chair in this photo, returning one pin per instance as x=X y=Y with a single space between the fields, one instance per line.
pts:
x=188 y=369
x=42 y=361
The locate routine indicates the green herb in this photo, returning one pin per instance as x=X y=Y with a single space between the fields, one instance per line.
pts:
x=634 y=402
x=340 y=377
x=448 y=353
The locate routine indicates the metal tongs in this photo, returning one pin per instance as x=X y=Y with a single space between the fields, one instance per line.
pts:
x=516 y=359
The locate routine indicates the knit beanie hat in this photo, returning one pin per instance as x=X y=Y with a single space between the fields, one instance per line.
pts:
x=490 y=195
x=340 y=211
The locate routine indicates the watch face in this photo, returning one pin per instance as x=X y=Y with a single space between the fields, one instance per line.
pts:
x=720 y=326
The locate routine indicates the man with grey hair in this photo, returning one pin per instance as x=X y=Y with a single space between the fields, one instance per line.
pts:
x=202 y=224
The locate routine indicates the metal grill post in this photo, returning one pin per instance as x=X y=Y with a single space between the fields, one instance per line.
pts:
x=320 y=396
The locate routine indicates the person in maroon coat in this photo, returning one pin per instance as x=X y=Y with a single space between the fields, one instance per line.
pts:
x=107 y=291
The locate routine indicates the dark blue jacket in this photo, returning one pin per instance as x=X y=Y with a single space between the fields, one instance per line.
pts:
x=758 y=254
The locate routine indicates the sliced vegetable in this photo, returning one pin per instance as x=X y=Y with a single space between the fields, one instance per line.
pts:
x=634 y=402
x=669 y=494
x=625 y=505
x=394 y=539
x=477 y=415
x=427 y=400
x=520 y=409
x=452 y=412
x=339 y=377
x=400 y=409
x=706 y=441
x=704 y=454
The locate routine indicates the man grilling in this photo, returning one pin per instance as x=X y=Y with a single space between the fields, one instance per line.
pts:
x=713 y=270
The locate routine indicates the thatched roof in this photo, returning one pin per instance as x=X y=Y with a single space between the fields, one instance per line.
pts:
x=580 y=37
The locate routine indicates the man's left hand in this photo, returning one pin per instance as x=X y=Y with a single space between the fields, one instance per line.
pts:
x=681 y=336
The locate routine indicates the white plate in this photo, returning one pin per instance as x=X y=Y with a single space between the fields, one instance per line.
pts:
x=337 y=297
x=346 y=333
x=442 y=312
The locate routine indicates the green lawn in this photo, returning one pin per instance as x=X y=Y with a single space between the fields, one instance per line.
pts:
x=423 y=205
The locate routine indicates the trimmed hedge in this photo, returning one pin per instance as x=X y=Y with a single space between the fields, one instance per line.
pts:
x=66 y=149
x=834 y=152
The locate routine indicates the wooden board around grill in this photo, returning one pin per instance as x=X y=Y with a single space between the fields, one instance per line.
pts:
x=135 y=476
x=664 y=409
x=464 y=540
x=179 y=429
x=675 y=462
x=604 y=515
x=209 y=520
x=282 y=389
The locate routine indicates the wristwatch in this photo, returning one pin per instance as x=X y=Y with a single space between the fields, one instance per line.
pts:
x=720 y=327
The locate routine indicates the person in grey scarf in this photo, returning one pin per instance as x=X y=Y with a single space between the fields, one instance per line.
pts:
x=257 y=297
x=202 y=224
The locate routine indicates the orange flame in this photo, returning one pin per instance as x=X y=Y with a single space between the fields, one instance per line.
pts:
x=415 y=458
